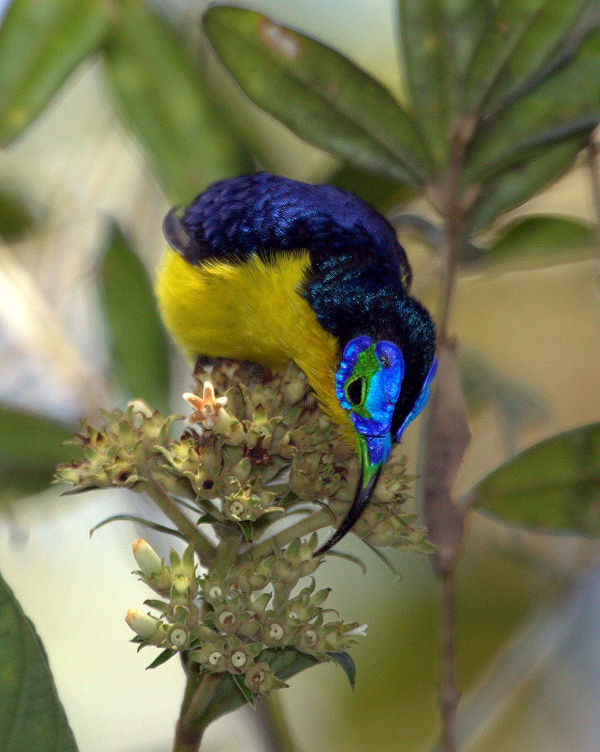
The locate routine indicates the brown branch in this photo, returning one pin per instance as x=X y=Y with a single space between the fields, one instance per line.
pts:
x=594 y=167
x=447 y=437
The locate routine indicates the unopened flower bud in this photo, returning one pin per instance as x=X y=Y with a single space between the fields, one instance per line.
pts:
x=144 y=625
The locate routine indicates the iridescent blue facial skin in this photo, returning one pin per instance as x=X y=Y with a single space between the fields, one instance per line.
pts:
x=375 y=370
x=421 y=400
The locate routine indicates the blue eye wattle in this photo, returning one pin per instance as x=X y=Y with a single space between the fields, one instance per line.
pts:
x=422 y=399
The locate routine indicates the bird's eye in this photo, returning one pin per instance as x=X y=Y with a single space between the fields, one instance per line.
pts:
x=354 y=391
x=385 y=361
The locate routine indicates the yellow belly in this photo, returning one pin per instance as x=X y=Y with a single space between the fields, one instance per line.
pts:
x=251 y=311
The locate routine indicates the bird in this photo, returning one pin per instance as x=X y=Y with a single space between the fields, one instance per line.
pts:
x=267 y=269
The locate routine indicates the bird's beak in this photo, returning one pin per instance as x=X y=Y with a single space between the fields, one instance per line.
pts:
x=373 y=453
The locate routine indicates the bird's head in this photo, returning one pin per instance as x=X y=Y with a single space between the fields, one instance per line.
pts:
x=383 y=383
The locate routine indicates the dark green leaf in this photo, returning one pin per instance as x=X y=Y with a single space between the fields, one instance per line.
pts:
x=160 y=92
x=521 y=37
x=285 y=663
x=141 y=521
x=554 y=485
x=32 y=718
x=16 y=219
x=140 y=350
x=164 y=656
x=565 y=105
x=536 y=170
x=381 y=192
x=41 y=44
x=30 y=449
x=244 y=690
x=344 y=660
x=427 y=55
x=543 y=240
x=319 y=94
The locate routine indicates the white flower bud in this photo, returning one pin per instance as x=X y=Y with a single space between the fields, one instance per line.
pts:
x=144 y=625
x=147 y=559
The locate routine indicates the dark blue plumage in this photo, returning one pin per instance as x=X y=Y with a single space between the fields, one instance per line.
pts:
x=262 y=212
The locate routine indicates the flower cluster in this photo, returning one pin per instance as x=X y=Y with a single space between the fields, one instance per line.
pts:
x=228 y=623
x=260 y=451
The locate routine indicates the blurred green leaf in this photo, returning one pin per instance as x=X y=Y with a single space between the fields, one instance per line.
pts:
x=427 y=57
x=160 y=92
x=522 y=36
x=566 y=104
x=344 y=660
x=379 y=191
x=285 y=663
x=16 y=219
x=543 y=240
x=140 y=349
x=41 y=44
x=554 y=485
x=522 y=180
x=30 y=449
x=32 y=718
x=319 y=94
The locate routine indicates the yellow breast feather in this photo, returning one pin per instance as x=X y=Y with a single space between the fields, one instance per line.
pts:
x=254 y=311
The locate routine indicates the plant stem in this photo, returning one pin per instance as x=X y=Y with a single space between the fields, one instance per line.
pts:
x=307 y=525
x=165 y=503
x=594 y=165
x=447 y=437
x=198 y=694
x=449 y=695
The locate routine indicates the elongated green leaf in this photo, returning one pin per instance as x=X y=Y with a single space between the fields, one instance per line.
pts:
x=16 y=218
x=140 y=350
x=30 y=449
x=319 y=94
x=564 y=105
x=345 y=661
x=522 y=36
x=522 y=180
x=41 y=44
x=554 y=485
x=542 y=240
x=159 y=89
x=32 y=718
x=379 y=191
x=427 y=56
x=285 y=663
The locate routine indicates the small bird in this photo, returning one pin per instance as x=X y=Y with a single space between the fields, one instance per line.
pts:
x=268 y=269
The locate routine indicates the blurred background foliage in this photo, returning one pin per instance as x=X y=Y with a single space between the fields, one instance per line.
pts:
x=110 y=112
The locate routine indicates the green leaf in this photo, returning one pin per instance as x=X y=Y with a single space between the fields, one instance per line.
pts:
x=542 y=240
x=140 y=521
x=344 y=660
x=16 y=218
x=377 y=190
x=41 y=44
x=427 y=56
x=566 y=104
x=228 y=697
x=159 y=89
x=522 y=180
x=32 y=718
x=164 y=656
x=140 y=349
x=319 y=94
x=30 y=449
x=522 y=36
x=554 y=485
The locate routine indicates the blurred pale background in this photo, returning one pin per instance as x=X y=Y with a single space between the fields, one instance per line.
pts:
x=539 y=329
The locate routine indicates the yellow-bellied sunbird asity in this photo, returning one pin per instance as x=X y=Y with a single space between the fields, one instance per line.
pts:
x=267 y=269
